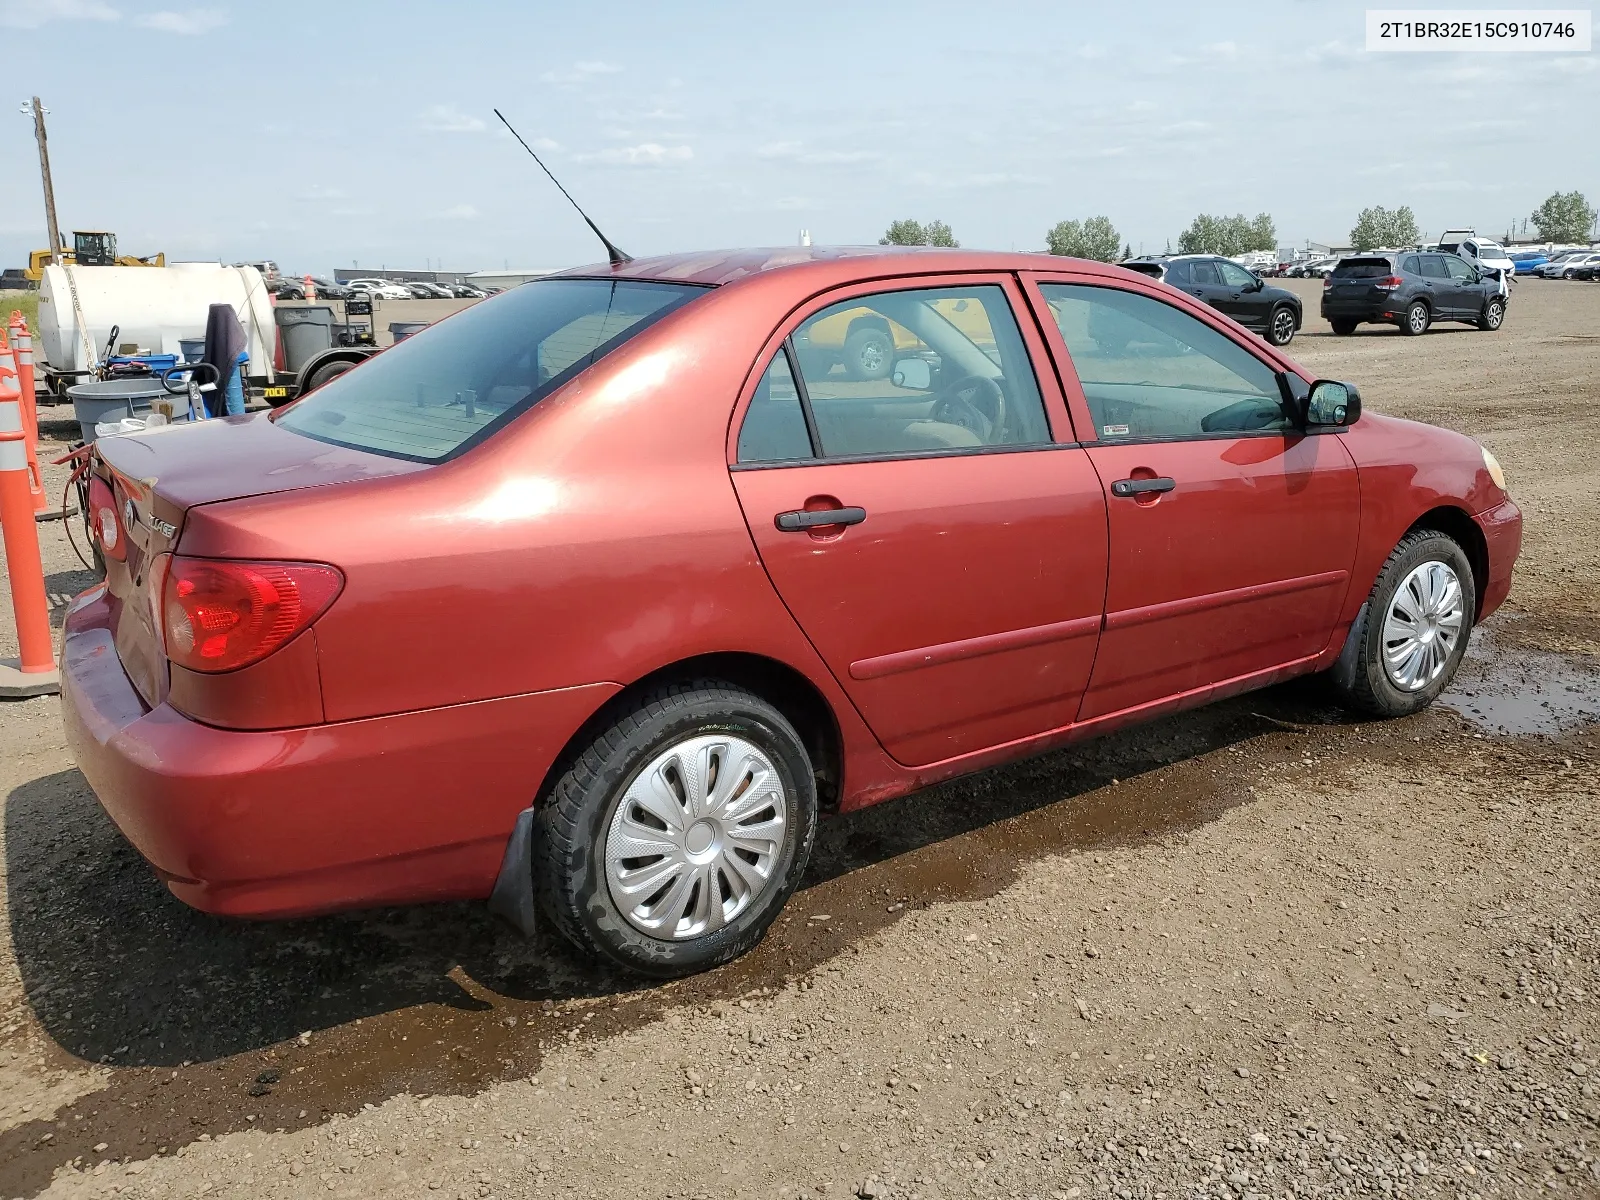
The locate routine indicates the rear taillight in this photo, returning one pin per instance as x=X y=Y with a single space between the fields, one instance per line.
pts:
x=223 y=614
x=105 y=523
x=1327 y=281
x=1389 y=283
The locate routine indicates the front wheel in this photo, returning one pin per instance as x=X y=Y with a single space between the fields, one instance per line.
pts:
x=869 y=354
x=1404 y=648
x=1281 y=326
x=1493 y=314
x=1416 y=320
x=673 y=840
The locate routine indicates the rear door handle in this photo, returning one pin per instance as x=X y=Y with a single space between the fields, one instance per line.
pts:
x=1133 y=487
x=818 y=518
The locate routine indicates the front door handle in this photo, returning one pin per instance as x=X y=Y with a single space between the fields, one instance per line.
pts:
x=1134 y=487
x=818 y=518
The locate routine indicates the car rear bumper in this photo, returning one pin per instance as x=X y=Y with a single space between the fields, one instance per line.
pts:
x=1502 y=534
x=1360 y=310
x=410 y=807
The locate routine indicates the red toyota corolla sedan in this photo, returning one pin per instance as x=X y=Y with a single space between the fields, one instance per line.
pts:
x=591 y=597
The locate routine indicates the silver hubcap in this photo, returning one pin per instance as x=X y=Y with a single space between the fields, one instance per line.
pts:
x=1419 y=318
x=1283 y=325
x=1495 y=313
x=696 y=837
x=1422 y=627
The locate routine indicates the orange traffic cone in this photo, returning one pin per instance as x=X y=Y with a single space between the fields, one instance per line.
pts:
x=22 y=350
x=34 y=673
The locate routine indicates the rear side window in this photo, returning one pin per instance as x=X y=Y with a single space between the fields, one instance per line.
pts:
x=1151 y=269
x=1150 y=370
x=452 y=384
x=1205 y=271
x=1362 y=268
x=1433 y=267
x=774 y=428
x=1409 y=264
x=1178 y=275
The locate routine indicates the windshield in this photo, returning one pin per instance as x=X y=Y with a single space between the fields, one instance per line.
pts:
x=449 y=386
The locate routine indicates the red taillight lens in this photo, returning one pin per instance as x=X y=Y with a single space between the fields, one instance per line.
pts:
x=105 y=523
x=1389 y=284
x=223 y=614
x=1327 y=281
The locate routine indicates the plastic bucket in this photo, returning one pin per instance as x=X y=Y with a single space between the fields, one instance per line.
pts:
x=307 y=331
x=400 y=330
x=94 y=403
x=193 y=349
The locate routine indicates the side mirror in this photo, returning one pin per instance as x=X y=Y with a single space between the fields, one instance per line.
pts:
x=1256 y=285
x=913 y=374
x=1331 y=403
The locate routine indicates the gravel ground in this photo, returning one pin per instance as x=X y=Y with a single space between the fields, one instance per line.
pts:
x=1255 y=950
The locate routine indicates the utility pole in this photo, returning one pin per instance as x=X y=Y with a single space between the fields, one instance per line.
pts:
x=44 y=173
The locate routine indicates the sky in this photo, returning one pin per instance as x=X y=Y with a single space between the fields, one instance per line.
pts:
x=363 y=133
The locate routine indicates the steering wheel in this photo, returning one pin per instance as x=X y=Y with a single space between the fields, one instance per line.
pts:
x=974 y=402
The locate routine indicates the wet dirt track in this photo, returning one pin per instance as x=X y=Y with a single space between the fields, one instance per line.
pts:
x=131 y=1027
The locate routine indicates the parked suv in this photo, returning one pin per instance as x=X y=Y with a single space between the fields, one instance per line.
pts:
x=1411 y=290
x=1273 y=312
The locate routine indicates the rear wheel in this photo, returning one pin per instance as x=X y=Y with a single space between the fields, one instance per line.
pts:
x=1281 y=326
x=1417 y=319
x=679 y=833
x=1412 y=633
x=1493 y=314
x=1344 y=328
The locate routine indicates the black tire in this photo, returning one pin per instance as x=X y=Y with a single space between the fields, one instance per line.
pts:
x=1493 y=315
x=569 y=830
x=325 y=373
x=1413 y=324
x=1344 y=328
x=1360 y=678
x=869 y=353
x=1280 y=332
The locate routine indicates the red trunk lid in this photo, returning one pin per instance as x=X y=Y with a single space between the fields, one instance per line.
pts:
x=156 y=477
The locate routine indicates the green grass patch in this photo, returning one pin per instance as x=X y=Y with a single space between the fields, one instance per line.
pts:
x=28 y=302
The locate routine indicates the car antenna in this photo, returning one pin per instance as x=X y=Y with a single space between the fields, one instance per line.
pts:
x=617 y=256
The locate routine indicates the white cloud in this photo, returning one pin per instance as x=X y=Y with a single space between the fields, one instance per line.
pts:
x=447 y=118
x=580 y=72
x=646 y=154
x=796 y=152
x=317 y=192
x=461 y=212
x=191 y=22
x=30 y=14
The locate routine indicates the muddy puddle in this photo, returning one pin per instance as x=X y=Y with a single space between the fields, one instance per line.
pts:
x=211 y=1026
x=1517 y=691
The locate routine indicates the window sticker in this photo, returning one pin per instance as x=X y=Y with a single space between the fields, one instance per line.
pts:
x=1113 y=431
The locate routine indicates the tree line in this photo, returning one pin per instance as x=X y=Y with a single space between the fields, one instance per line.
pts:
x=1563 y=217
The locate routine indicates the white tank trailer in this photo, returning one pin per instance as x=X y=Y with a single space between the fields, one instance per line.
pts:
x=152 y=308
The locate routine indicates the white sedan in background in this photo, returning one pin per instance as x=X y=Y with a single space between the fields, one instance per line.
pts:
x=1563 y=266
x=378 y=289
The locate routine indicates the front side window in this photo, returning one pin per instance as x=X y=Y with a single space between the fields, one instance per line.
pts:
x=919 y=371
x=1150 y=370
x=452 y=384
x=1460 y=270
x=1234 y=275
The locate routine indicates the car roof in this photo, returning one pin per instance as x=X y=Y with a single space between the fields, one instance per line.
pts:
x=840 y=263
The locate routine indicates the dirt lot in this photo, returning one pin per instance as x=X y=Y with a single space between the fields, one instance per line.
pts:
x=1257 y=950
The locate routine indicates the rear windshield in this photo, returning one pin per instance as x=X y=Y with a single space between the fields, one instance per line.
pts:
x=449 y=386
x=1362 y=268
x=1145 y=268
